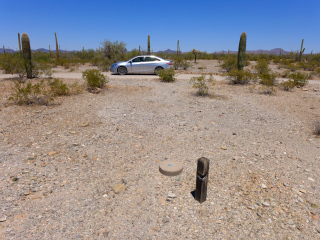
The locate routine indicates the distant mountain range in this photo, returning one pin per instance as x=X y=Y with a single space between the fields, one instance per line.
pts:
x=275 y=51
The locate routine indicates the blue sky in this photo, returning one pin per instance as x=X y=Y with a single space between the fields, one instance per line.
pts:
x=204 y=25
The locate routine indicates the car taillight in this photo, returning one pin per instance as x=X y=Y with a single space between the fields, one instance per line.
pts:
x=169 y=63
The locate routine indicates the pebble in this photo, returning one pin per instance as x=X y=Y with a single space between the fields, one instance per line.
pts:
x=302 y=190
x=119 y=188
x=263 y=186
x=311 y=179
x=266 y=204
x=223 y=148
x=3 y=218
x=165 y=219
x=171 y=194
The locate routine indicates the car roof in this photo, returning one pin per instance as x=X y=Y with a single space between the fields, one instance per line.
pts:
x=147 y=56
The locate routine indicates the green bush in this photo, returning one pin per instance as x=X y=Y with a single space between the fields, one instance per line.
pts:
x=167 y=75
x=300 y=79
x=268 y=79
x=287 y=85
x=262 y=66
x=58 y=88
x=179 y=62
x=201 y=84
x=94 y=78
x=229 y=63
x=29 y=93
x=240 y=76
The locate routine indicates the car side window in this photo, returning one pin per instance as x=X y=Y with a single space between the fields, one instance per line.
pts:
x=151 y=59
x=138 y=59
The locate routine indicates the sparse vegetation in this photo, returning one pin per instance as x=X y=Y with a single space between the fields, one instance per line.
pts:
x=31 y=93
x=58 y=88
x=167 y=75
x=94 y=78
x=229 y=63
x=300 y=79
x=240 y=76
x=287 y=85
x=201 y=83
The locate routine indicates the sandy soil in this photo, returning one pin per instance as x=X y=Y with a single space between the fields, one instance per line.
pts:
x=87 y=166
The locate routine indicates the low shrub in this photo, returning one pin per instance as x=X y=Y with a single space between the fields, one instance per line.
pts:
x=262 y=66
x=30 y=93
x=58 y=88
x=201 y=84
x=287 y=85
x=240 y=76
x=229 y=63
x=94 y=78
x=268 y=79
x=300 y=79
x=167 y=75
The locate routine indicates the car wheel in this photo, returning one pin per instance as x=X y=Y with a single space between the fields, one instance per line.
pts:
x=158 y=69
x=122 y=70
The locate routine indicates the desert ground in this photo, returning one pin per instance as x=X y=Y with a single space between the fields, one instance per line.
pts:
x=86 y=166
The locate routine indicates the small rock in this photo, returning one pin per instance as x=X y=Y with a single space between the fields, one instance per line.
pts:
x=291 y=222
x=84 y=124
x=119 y=188
x=165 y=219
x=302 y=190
x=52 y=153
x=171 y=194
x=223 y=148
x=313 y=205
x=263 y=186
x=285 y=184
x=311 y=179
x=104 y=195
x=124 y=181
x=266 y=204
x=3 y=218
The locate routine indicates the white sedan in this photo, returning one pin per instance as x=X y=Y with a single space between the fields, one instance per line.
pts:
x=141 y=64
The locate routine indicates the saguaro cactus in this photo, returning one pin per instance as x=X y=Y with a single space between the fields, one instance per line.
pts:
x=57 y=48
x=19 y=42
x=4 y=50
x=242 y=50
x=26 y=52
x=148 y=44
x=301 y=50
x=178 y=48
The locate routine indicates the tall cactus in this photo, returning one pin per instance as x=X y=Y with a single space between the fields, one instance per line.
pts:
x=4 y=50
x=301 y=50
x=49 y=52
x=149 y=44
x=26 y=52
x=242 y=50
x=19 y=43
x=57 y=48
x=178 y=48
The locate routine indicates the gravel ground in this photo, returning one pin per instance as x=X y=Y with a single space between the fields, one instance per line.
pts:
x=87 y=166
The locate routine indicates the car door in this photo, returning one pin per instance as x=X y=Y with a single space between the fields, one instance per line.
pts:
x=149 y=64
x=136 y=65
